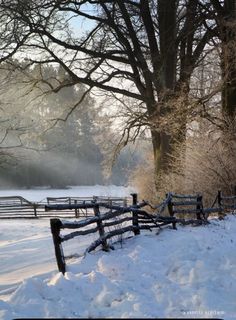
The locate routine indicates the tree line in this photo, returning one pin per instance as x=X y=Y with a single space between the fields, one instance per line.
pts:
x=44 y=143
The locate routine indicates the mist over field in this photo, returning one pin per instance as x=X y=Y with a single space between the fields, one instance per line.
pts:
x=39 y=148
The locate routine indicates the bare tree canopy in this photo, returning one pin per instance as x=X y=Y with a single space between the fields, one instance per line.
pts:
x=144 y=50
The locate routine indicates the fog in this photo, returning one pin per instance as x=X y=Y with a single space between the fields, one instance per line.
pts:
x=36 y=151
x=55 y=169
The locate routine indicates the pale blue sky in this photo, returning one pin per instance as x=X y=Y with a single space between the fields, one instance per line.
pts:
x=83 y=24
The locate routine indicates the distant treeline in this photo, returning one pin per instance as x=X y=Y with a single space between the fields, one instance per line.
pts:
x=39 y=148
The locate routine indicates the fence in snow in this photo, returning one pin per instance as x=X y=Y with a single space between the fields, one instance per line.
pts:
x=19 y=207
x=119 y=220
x=109 y=217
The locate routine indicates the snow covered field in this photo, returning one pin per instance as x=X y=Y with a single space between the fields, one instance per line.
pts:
x=39 y=194
x=26 y=246
x=188 y=273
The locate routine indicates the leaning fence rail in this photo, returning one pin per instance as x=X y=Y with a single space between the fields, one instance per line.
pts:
x=117 y=221
x=132 y=218
x=109 y=217
x=17 y=206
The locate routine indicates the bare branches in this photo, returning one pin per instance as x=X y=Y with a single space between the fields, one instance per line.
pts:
x=86 y=92
x=132 y=50
x=123 y=24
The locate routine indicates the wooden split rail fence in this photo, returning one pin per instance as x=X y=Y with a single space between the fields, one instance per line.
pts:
x=115 y=222
x=109 y=217
x=19 y=207
x=120 y=220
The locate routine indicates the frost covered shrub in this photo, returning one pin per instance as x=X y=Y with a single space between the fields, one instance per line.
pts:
x=205 y=164
x=142 y=178
x=210 y=165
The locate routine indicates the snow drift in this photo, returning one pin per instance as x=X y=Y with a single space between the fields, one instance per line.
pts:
x=189 y=273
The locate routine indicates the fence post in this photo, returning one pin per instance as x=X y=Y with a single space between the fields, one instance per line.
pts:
x=170 y=206
x=76 y=210
x=55 y=229
x=234 y=197
x=135 y=199
x=35 y=209
x=199 y=207
x=219 y=199
x=171 y=211
x=110 y=203
x=135 y=214
x=135 y=223
x=105 y=246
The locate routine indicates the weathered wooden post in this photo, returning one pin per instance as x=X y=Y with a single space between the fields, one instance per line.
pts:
x=171 y=211
x=170 y=206
x=234 y=198
x=105 y=246
x=76 y=210
x=134 y=199
x=110 y=203
x=199 y=207
x=219 y=200
x=135 y=214
x=55 y=229
x=35 y=209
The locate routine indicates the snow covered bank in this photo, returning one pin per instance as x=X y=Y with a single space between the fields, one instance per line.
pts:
x=189 y=273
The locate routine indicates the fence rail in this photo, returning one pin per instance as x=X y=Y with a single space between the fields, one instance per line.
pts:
x=19 y=207
x=109 y=217
x=73 y=207
x=117 y=221
x=120 y=220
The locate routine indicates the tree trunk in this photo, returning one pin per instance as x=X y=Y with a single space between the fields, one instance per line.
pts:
x=161 y=149
x=228 y=58
x=161 y=141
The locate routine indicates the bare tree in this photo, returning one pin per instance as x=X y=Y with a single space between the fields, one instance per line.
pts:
x=141 y=50
x=222 y=14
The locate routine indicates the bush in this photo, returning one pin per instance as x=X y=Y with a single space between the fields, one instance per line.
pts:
x=204 y=164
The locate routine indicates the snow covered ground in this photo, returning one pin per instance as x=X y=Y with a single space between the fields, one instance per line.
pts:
x=26 y=246
x=188 y=273
x=39 y=194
